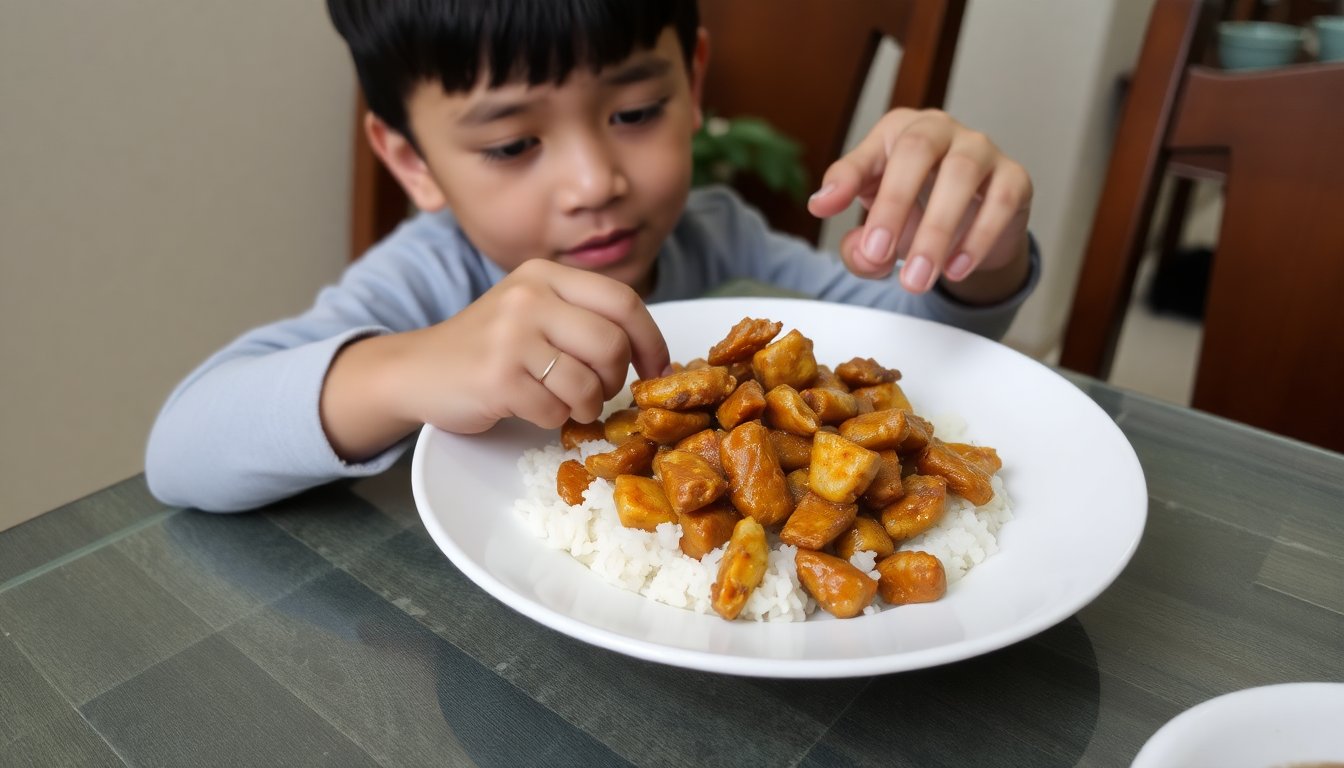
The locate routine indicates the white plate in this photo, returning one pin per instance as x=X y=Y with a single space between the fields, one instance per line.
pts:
x=1294 y=724
x=1078 y=496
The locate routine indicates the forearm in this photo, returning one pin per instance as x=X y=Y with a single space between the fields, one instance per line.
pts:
x=360 y=406
x=244 y=429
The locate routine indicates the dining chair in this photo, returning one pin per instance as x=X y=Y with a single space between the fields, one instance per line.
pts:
x=801 y=65
x=1272 y=349
x=798 y=64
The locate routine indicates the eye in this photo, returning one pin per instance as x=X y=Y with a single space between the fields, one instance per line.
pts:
x=511 y=151
x=639 y=116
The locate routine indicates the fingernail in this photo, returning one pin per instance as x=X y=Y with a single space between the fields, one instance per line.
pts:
x=959 y=267
x=876 y=243
x=918 y=273
x=824 y=191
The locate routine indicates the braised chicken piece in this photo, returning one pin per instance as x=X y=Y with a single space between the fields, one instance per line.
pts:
x=918 y=433
x=793 y=451
x=744 y=340
x=890 y=428
x=865 y=534
x=755 y=480
x=746 y=403
x=840 y=470
x=887 y=485
x=665 y=426
x=704 y=444
x=964 y=478
x=571 y=481
x=786 y=410
x=686 y=390
x=786 y=361
x=573 y=432
x=832 y=406
x=741 y=569
x=982 y=456
x=840 y=588
x=921 y=507
x=620 y=425
x=633 y=457
x=865 y=372
x=707 y=528
x=826 y=379
x=641 y=503
x=816 y=522
x=911 y=577
x=876 y=431
x=885 y=396
x=797 y=481
x=689 y=482
x=742 y=371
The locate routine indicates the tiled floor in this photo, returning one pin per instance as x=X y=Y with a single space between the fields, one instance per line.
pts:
x=1156 y=355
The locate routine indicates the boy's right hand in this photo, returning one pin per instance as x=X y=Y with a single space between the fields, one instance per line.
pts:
x=490 y=361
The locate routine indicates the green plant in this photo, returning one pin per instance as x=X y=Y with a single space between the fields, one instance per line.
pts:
x=725 y=147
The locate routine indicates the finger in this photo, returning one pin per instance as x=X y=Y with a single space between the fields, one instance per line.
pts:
x=576 y=385
x=856 y=175
x=534 y=402
x=914 y=155
x=592 y=340
x=1006 y=197
x=950 y=205
x=621 y=305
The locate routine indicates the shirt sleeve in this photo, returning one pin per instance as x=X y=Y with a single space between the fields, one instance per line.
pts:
x=244 y=428
x=733 y=241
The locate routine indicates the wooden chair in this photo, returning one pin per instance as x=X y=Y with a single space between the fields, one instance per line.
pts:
x=799 y=64
x=1272 y=353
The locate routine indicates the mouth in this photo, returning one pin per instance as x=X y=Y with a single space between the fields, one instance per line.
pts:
x=601 y=250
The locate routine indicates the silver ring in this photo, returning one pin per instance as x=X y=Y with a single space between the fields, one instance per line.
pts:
x=549 y=366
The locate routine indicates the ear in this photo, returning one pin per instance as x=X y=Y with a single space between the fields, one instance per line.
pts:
x=405 y=164
x=699 y=63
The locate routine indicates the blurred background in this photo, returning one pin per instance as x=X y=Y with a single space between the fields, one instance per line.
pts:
x=175 y=173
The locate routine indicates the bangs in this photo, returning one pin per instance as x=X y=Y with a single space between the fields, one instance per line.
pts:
x=397 y=44
x=542 y=41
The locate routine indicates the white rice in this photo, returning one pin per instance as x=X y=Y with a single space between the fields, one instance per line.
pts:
x=653 y=565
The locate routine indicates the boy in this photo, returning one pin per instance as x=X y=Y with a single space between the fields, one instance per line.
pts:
x=548 y=145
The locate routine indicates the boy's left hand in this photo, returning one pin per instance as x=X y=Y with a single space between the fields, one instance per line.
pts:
x=939 y=195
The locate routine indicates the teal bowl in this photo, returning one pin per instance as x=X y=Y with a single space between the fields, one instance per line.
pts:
x=1329 y=37
x=1257 y=44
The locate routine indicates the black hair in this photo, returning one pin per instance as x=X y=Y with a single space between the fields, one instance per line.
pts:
x=397 y=44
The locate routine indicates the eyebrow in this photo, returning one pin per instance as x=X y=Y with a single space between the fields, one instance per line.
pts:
x=486 y=112
x=637 y=72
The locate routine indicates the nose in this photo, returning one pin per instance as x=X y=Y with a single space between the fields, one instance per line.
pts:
x=591 y=177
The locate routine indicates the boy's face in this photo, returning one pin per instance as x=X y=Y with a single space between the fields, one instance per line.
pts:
x=592 y=173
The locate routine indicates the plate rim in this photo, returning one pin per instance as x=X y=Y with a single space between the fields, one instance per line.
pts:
x=761 y=667
x=1167 y=737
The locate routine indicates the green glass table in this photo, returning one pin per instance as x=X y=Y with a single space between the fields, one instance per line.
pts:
x=329 y=630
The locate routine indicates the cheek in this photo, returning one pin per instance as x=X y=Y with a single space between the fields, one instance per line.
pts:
x=665 y=171
x=507 y=227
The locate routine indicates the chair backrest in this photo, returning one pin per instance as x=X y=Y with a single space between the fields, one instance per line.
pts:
x=1272 y=348
x=798 y=64
x=801 y=65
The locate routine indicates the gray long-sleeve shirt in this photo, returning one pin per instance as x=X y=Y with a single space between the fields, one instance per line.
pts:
x=243 y=429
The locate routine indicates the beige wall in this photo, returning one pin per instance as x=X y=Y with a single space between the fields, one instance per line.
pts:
x=172 y=172
x=1039 y=76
